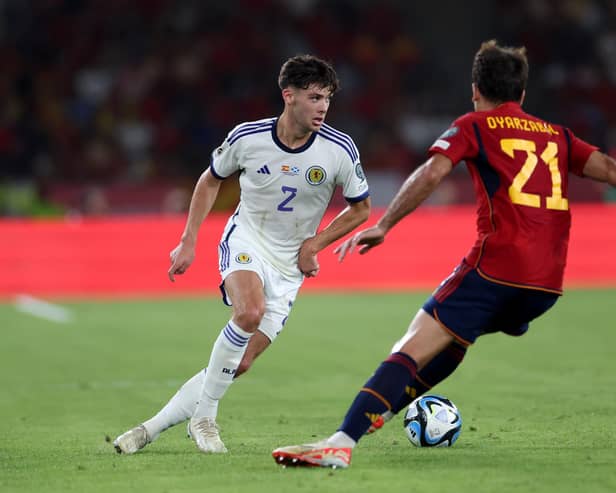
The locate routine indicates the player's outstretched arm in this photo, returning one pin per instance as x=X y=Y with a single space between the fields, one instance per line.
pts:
x=417 y=187
x=345 y=222
x=415 y=190
x=601 y=167
x=204 y=195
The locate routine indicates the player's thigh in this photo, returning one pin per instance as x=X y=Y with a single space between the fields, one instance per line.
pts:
x=468 y=305
x=242 y=275
x=280 y=294
x=277 y=291
x=424 y=339
x=245 y=290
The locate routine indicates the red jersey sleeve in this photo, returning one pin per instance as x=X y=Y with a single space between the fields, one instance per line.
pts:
x=457 y=142
x=579 y=152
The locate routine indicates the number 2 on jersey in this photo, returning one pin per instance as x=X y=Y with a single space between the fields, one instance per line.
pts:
x=549 y=157
x=292 y=193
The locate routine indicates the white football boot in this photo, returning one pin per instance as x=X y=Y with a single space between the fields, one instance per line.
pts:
x=132 y=441
x=205 y=433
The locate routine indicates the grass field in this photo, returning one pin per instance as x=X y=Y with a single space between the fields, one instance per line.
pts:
x=538 y=411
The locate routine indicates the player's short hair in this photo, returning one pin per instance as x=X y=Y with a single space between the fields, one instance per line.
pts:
x=302 y=71
x=500 y=73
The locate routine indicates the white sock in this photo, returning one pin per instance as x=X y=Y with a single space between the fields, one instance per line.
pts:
x=226 y=355
x=342 y=440
x=179 y=408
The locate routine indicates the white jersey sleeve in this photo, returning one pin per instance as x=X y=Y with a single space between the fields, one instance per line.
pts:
x=224 y=161
x=226 y=158
x=353 y=181
x=350 y=174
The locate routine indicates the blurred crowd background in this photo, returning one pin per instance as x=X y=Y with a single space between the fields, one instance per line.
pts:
x=113 y=106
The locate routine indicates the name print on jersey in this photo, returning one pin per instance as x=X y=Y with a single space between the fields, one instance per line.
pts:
x=520 y=124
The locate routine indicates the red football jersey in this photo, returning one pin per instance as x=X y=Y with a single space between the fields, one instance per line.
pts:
x=519 y=165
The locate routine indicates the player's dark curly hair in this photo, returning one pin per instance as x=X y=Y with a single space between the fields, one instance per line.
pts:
x=500 y=73
x=302 y=71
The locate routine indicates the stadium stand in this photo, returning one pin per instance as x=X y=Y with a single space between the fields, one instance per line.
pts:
x=113 y=106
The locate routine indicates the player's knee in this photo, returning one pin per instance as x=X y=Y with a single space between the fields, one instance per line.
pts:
x=249 y=318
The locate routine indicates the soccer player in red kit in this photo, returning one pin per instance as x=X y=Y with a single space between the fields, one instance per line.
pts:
x=513 y=273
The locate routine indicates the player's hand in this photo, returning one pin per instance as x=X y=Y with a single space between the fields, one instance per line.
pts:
x=307 y=259
x=368 y=238
x=181 y=257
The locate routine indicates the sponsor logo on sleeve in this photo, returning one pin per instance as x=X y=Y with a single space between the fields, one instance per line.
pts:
x=447 y=134
x=450 y=132
x=443 y=144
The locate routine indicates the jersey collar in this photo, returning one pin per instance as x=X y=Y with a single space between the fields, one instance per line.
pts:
x=279 y=143
x=508 y=105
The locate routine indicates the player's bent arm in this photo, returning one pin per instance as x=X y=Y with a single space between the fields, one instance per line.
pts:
x=601 y=167
x=417 y=187
x=346 y=221
x=201 y=203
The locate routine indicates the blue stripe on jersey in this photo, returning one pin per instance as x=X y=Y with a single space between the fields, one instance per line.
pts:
x=249 y=131
x=359 y=198
x=249 y=125
x=341 y=136
x=344 y=146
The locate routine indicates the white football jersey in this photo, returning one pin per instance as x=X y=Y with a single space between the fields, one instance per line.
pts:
x=285 y=192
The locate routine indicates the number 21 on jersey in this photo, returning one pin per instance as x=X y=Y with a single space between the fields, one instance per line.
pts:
x=549 y=157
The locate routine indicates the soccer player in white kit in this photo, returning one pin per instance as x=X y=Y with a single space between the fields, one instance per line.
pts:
x=288 y=170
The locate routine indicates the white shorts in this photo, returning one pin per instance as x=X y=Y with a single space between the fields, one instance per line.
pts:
x=236 y=253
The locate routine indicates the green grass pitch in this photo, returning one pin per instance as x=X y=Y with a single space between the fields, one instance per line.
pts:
x=539 y=411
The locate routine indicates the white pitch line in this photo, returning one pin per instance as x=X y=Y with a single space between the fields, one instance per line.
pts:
x=42 y=309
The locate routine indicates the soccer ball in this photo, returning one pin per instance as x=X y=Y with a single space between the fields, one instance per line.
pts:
x=432 y=421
